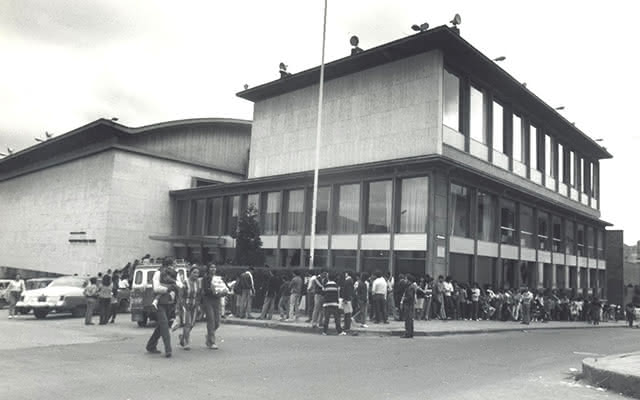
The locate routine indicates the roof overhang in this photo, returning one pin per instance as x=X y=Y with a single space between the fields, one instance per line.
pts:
x=206 y=241
x=460 y=54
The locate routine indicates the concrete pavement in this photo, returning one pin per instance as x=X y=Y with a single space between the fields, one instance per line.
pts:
x=620 y=373
x=424 y=328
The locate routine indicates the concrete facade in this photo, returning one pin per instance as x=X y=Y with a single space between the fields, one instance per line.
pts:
x=386 y=112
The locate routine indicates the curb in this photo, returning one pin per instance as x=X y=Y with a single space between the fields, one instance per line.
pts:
x=628 y=385
x=397 y=332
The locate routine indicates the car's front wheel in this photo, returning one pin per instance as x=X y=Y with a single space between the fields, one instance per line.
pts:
x=40 y=313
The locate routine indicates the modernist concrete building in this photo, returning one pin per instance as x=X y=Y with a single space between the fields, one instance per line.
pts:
x=88 y=200
x=433 y=160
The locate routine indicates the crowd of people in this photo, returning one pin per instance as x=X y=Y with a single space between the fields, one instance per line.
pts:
x=102 y=293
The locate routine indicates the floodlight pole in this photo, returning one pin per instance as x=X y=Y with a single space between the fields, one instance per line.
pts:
x=318 y=130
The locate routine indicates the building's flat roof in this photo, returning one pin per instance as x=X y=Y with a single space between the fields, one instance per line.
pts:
x=457 y=51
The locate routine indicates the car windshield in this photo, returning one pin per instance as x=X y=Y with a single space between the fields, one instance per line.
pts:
x=69 y=281
x=37 y=284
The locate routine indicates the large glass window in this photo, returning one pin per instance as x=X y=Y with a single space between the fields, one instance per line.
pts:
x=344 y=259
x=580 y=240
x=586 y=176
x=570 y=237
x=295 y=213
x=410 y=262
x=498 y=127
x=517 y=138
x=182 y=217
x=556 y=223
x=571 y=169
x=600 y=244
x=214 y=223
x=375 y=260
x=254 y=200
x=543 y=231
x=414 y=199
x=476 y=117
x=487 y=221
x=451 y=100
x=232 y=214
x=322 y=210
x=561 y=168
x=461 y=210
x=533 y=148
x=197 y=216
x=548 y=156
x=379 y=215
x=591 y=242
x=272 y=214
x=348 y=217
x=507 y=222
x=527 y=226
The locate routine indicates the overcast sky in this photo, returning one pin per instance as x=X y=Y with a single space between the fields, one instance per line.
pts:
x=66 y=63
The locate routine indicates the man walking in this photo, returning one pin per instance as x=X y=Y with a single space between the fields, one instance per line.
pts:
x=331 y=295
x=165 y=304
x=408 y=304
x=379 y=290
x=362 y=296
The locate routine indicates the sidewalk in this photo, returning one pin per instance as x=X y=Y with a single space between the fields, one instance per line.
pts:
x=620 y=373
x=423 y=328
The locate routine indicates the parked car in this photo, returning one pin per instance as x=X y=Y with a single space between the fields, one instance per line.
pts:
x=37 y=283
x=4 y=284
x=62 y=295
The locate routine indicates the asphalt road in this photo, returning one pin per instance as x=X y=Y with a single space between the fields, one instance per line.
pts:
x=59 y=358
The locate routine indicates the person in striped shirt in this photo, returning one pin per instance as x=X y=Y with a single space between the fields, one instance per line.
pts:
x=331 y=295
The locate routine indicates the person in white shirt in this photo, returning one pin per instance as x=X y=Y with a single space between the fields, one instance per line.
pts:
x=448 y=300
x=14 y=291
x=379 y=290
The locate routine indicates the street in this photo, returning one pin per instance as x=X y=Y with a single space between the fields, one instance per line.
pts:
x=60 y=358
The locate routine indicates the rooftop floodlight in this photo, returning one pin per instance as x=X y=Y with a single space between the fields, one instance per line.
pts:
x=501 y=58
x=114 y=119
x=354 y=41
x=39 y=140
x=9 y=150
x=456 y=20
x=283 y=70
x=48 y=135
x=560 y=108
x=420 y=28
x=246 y=86
x=600 y=140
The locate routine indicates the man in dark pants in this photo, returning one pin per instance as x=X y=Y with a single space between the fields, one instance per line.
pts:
x=212 y=288
x=164 y=313
x=408 y=306
x=330 y=304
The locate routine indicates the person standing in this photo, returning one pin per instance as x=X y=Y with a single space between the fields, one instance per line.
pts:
x=91 y=293
x=331 y=294
x=285 y=292
x=408 y=302
x=379 y=291
x=362 y=296
x=248 y=290
x=191 y=297
x=104 y=299
x=115 y=286
x=14 y=290
x=271 y=292
x=438 y=298
x=318 y=289
x=347 y=300
x=165 y=311
x=475 y=301
x=294 y=297
x=213 y=287
x=526 y=299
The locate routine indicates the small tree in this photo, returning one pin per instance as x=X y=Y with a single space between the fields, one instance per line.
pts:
x=247 y=236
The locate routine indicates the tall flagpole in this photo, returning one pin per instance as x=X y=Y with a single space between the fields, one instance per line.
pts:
x=318 y=130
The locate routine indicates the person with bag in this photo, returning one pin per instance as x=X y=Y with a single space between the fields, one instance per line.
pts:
x=14 y=291
x=191 y=297
x=91 y=293
x=213 y=288
x=165 y=311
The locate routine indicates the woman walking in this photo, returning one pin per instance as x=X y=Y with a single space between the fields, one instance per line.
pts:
x=15 y=289
x=191 y=297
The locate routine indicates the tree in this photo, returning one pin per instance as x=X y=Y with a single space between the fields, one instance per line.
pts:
x=247 y=236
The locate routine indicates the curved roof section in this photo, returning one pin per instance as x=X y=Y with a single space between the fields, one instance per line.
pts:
x=457 y=51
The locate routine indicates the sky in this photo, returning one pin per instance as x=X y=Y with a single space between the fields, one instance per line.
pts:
x=65 y=63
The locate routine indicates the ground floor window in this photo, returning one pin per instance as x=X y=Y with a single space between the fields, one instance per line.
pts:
x=344 y=259
x=584 y=283
x=460 y=267
x=290 y=257
x=547 y=276
x=561 y=282
x=375 y=260
x=573 y=278
x=486 y=271
x=270 y=257
x=410 y=262
x=320 y=259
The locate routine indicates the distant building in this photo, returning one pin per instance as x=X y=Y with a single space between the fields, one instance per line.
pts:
x=433 y=160
x=622 y=274
x=87 y=201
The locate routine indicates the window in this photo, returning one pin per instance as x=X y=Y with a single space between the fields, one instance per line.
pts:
x=591 y=242
x=272 y=214
x=348 y=218
x=182 y=217
x=232 y=214
x=548 y=156
x=580 y=240
x=451 y=100
x=487 y=222
x=461 y=211
x=543 y=231
x=476 y=122
x=197 y=216
x=570 y=238
x=527 y=226
x=215 y=216
x=379 y=215
x=508 y=222
x=557 y=234
x=586 y=176
x=414 y=199
x=571 y=168
x=561 y=167
x=411 y=262
x=344 y=259
x=254 y=199
x=517 y=138
x=322 y=209
x=498 y=128
x=533 y=148
x=600 y=246
x=375 y=260
x=320 y=259
x=295 y=213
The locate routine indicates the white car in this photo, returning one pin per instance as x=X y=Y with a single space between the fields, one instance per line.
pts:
x=64 y=294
